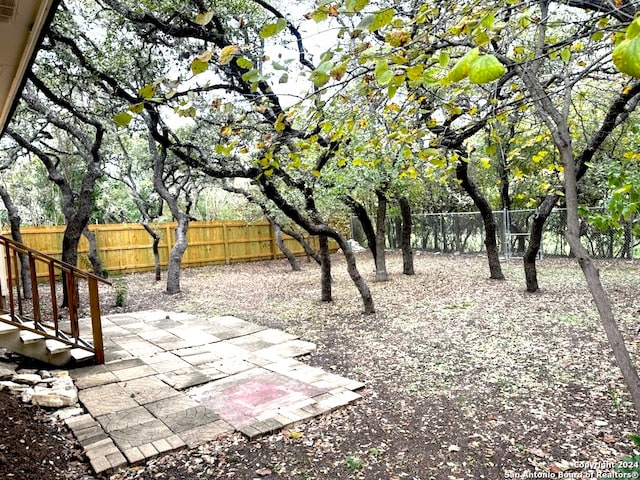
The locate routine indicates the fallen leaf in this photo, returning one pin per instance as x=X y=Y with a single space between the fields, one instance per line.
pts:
x=263 y=472
x=537 y=452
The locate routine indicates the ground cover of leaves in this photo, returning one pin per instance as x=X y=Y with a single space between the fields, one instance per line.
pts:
x=465 y=377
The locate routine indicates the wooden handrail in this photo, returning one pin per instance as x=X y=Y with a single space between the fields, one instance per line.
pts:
x=21 y=309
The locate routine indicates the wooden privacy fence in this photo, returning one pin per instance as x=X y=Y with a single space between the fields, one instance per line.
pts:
x=126 y=247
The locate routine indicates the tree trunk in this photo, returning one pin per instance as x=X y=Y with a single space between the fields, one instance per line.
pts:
x=490 y=229
x=405 y=237
x=627 y=247
x=156 y=251
x=318 y=227
x=357 y=279
x=381 y=219
x=325 y=269
x=94 y=258
x=175 y=257
x=308 y=249
x=277 y=233
x=70 y=242
x=535 y=241
x=600 y=298
x=14 y=222
x=363 y=217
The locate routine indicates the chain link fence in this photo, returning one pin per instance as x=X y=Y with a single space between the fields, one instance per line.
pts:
x=463 y=232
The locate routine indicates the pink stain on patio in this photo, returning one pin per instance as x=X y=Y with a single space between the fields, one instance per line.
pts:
x=247 y=398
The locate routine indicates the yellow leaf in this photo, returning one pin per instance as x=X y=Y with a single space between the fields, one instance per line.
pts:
x=227 y=53
x=293 y=433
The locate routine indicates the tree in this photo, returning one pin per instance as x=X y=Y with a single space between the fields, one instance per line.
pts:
x=553 y=106
x=79 y=136
x=14 y=223
x=257 y=105
x=173 y=183
x=133 y=172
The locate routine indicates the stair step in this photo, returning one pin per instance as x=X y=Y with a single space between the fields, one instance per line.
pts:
x=54 y=346
x=80 y=354
x=29 y=337
x=6 y=328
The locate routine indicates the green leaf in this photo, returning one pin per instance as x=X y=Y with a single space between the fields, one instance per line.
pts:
x=148 y=91
x=319 y=79
x=280 y=123
x=198 y=66
x=319 y=15
x=482 y=39
x=488 y=20
x=633 y=29
x=491 y=149
x=626 y=57
x=565 y=55
x=224 y=149
x=443 y=58
x=204 y=18
x=415 y=72
x=485 y=69
x=462 y=67
x=271 y=29
x=381 y=67
x=244 y=62
x=324 y=67
x=356 y=5
x=122 y=119
x=366 y=22
x=385 y=77
x=284 y=78
x=136 y=108
x=382 y=19
x=251 y=76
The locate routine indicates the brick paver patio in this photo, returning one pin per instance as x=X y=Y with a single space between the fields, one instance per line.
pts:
x=175 y=380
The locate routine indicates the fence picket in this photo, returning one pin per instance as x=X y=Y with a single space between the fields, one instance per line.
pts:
x=126 y=247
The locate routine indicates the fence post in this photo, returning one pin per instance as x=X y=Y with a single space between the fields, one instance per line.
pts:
x=167 y=234
x=225 y=240
x=272 y=238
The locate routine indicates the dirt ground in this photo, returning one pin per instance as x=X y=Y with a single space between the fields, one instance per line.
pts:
x=465 y=377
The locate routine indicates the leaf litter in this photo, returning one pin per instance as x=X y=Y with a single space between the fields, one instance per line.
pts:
x=465 y=377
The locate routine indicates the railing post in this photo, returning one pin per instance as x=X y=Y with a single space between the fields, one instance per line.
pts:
x=96 y=321
x=35 y=296
x=54 y=299
x=12 y=305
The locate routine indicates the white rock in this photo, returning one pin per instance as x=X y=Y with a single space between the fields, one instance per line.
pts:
x=68 y=412
x=28 y=378
x=355 y=246
x=61 y=393
x=27 y=395
x=13 y=387
x=7 y=371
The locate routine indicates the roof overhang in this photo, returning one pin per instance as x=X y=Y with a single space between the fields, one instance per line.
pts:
x=22 y=26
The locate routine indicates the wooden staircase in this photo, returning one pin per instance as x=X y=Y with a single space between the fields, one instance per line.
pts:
x=33 y=322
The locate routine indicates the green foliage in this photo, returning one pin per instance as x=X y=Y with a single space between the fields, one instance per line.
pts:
x=627 y=467
x=271 y=29
x=355 y=463
x=121 y=289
